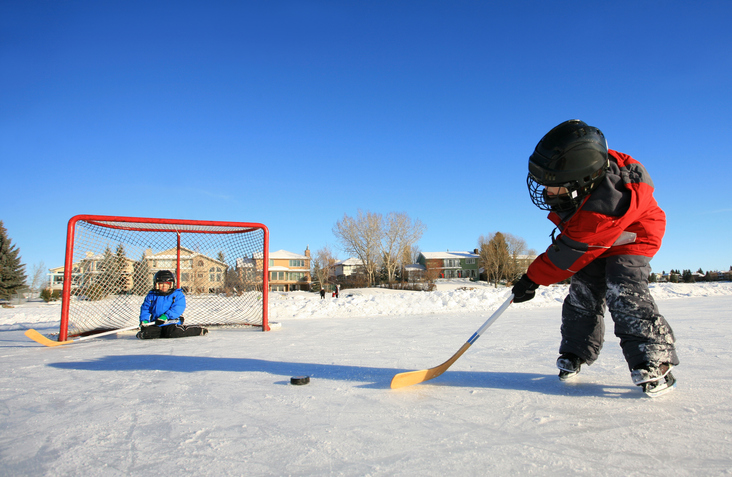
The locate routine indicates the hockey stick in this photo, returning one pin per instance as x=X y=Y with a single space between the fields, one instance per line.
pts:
x=414 y=377
x=39 y=338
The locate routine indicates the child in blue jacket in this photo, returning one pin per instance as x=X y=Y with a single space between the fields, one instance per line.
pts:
x=161 y=313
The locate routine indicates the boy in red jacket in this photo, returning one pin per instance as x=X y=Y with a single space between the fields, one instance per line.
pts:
x=610 y=227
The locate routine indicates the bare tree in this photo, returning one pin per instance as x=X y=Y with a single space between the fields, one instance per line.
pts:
x=322 y=264
x=516 y=250
x=414 y=253
x=361 y=236
x=37 y=277
x=400 y=234
x=378 y=241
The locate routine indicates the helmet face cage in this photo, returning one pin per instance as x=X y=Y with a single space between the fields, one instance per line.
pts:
x=557 y=203
x=164 y=276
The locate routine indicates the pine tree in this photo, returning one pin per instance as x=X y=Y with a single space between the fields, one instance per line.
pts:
x=141 y=279
x=12 y=272
x=495 y=257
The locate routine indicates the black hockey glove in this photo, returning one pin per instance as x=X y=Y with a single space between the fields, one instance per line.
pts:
x=524 y=289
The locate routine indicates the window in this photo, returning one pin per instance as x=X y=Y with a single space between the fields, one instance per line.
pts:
x=164 y=264
x=296 y=276
x=297 y=263
x=470 y=261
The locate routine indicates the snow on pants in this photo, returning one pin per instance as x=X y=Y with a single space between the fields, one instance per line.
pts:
x=621 y=283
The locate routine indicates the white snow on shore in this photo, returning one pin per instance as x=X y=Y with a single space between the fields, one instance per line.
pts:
x=451 y=296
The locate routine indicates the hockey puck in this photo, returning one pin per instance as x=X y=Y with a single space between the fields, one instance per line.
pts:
x=299 y=380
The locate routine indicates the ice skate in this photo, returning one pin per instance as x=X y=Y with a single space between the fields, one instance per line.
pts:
x=569 y=365
x=654 y=380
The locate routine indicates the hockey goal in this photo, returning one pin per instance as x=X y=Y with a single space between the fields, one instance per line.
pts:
x=110 y=262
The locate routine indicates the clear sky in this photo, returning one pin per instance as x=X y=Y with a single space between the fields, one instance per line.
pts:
x=294 y=113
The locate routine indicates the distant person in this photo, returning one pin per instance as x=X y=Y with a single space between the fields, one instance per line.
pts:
x=337 y=291
x=161 y=313
x=610 y=227
x=322 y=293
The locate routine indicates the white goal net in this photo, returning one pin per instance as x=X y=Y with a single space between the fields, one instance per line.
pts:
x=222 y=268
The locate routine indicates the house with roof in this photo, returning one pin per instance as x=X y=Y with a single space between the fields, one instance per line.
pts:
x=450 y=264
x=348 y=267
x=199 y=274
x=288 y=271
x=90 y=269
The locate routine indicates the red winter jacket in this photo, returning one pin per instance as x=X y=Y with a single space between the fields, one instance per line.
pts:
x=620 y=217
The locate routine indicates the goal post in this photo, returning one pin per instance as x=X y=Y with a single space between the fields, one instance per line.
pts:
x=222 y=267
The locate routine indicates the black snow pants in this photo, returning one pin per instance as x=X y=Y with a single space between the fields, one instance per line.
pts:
x=619 y=282
x=170 y=331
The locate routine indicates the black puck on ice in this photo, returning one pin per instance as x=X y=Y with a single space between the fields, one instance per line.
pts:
x=299 y=380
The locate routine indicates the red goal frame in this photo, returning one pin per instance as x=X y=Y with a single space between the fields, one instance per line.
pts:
x=177 y=226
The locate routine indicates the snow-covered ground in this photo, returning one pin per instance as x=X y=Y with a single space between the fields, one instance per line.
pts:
x=223 y=404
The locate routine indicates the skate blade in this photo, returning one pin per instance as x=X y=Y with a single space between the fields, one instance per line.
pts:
x=657 y=378
x=670 y=386
x=566 y=375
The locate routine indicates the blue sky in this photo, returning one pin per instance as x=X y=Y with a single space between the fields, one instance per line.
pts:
x=294 y=113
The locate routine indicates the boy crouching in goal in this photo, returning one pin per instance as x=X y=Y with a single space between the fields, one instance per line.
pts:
x=161 y=313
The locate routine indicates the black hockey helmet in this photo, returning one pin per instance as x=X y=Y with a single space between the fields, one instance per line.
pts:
x=164 y=276
x=572 y=155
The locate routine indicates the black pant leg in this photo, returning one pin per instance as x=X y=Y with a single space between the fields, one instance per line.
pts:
x=583 y=312
x=645 y=336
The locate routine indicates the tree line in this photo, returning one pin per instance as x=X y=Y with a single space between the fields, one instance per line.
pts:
x=384 y=244
x=686 y=276
x=381 y=242
x=387 y=243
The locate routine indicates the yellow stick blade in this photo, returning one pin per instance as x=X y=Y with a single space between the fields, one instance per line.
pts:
x=402 y=380
x=415 y=377
x=39 y=338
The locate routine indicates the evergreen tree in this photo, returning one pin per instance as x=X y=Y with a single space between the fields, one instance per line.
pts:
x=121 y=281
x=99 y=286
x=12 y=272
x=141 y=277
x=495 y=257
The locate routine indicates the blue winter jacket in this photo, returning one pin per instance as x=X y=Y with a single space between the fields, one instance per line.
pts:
x=155 y=305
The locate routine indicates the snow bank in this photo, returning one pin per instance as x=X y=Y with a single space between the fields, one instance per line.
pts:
x=451 y=296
